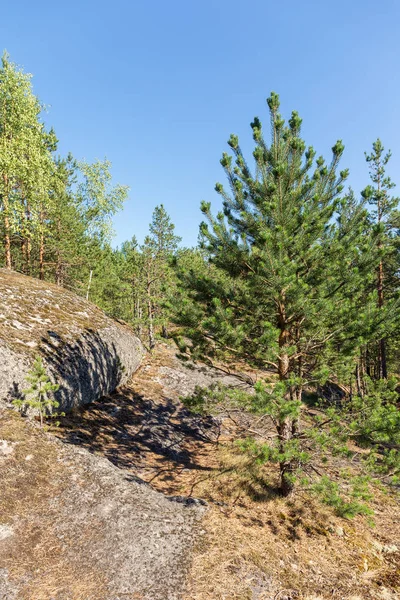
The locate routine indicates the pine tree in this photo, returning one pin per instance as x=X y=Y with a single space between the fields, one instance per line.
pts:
x=156 y=277
x=132 y=277
x=37 y=395
x=384 y=213
x=66 y=239
x=162 y=233
x=284 y=278
x=109 y=289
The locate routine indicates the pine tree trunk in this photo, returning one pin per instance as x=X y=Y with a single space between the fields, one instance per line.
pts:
x=26 y=253
x=41 y=256
x=360 y=376
x=89 y=284
x=382 y=342
x=152 y=342
x=28 y=256
x=59 y=270
x=382 y=368
x=59 y=273
x=138 y=317
x=286 y=467
x=383 y=361
x=59 y=267
x=286 y=426
x=367 y=362
x=7 y=236
x=297 y=392
x=23 y=253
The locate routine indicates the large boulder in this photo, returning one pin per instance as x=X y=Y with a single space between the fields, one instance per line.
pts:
x=87 y=353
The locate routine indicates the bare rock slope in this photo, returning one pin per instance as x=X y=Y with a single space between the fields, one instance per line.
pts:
x=78 y=528
x=87 y=353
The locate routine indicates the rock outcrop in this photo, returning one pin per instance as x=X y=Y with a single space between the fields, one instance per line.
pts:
x=87 y=353
x=76 y=527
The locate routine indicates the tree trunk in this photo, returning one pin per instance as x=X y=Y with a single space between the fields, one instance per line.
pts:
x=360 y=376
x=152 y=342
x=28 y=242
x=367 y=362
x=24 y=232
x=382 y=343
x=138 y=316
x=41 y=256
x=89 y=284
x=297 y=392
x=382 y=368
x=286 y=426
x=23 y=253
x=59 y=267
x=28 y=256
x=59 y=273
x=26 y=253
x=7 y=236
x=286 y=467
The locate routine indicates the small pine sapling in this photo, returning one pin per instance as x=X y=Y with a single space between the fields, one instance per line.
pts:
x=37 y=395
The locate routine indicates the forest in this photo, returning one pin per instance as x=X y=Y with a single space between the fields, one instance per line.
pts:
x=294 y=280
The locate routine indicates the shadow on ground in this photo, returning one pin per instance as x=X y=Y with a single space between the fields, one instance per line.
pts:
x=152 y=439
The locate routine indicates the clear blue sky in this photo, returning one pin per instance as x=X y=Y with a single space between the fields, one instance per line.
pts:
x=158 y=86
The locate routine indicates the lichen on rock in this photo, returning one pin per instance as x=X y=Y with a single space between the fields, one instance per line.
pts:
x=85 y=352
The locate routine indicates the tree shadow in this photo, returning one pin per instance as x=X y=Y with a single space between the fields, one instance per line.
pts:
x=140 y=435
x=85 y=368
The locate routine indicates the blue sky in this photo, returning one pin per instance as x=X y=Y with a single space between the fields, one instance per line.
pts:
x=158 y=86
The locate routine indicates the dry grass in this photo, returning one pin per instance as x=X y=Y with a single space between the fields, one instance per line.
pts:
x=253 y=545
x=33 y=483
x=258 y=546
x=254 y=549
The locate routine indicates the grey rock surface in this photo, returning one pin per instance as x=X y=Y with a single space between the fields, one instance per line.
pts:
x=184 y=378
x=145 y=537
x=87 y=353
x=8 y=590
x=105 y=535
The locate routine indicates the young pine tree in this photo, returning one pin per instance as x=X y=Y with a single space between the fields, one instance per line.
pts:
x=37 y=395
x=283 y=279
x=156 y=274
x=384 y=213
x=132 y=279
